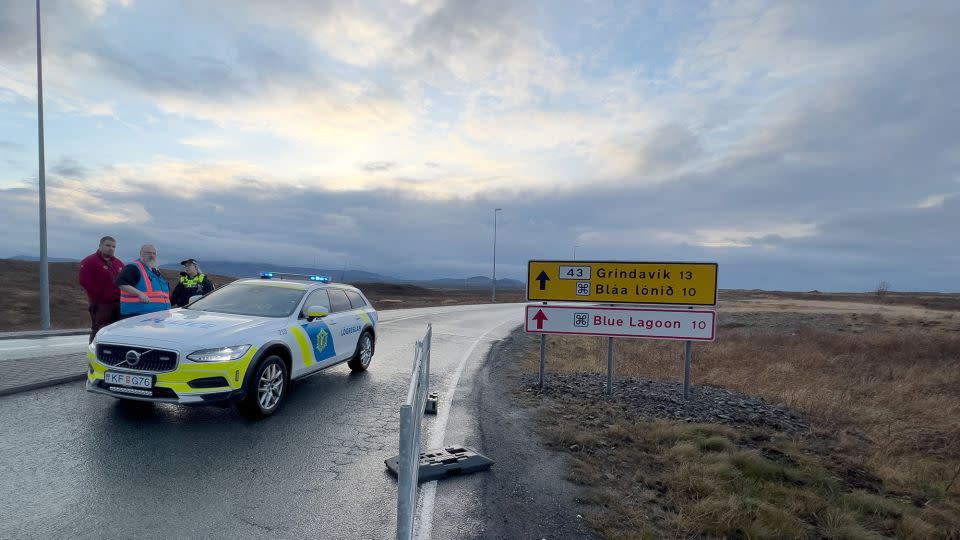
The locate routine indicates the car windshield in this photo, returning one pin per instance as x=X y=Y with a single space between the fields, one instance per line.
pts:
x=251 y=299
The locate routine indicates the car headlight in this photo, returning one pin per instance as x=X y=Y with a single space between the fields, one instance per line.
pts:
x=92 y=347
x=222 y=354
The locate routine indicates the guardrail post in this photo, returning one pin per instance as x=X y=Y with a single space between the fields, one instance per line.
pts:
x=428 y=340
x=411 y=416
x=406 y=489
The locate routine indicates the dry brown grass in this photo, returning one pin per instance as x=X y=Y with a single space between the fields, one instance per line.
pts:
x=666 y=479
x=929 y=300
x=893 y=396
x=885 y=407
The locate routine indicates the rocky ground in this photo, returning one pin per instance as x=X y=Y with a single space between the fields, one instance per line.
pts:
x=650 y=400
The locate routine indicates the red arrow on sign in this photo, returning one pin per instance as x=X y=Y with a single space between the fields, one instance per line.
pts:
x=539 y=317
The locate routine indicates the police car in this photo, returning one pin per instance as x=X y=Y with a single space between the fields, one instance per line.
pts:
x=244 y=342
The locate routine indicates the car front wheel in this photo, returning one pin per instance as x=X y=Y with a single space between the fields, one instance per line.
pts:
x=364 y=353
x=266 y=389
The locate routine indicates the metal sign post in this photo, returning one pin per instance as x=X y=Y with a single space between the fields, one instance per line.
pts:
x=687 y=352
x=609 y=366
x=543 y=348
x=543 y=356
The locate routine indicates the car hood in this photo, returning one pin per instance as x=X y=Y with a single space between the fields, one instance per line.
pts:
x=183 y=326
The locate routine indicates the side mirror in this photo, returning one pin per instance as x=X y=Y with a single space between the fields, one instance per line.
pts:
x=316 y=312
x=194 y=298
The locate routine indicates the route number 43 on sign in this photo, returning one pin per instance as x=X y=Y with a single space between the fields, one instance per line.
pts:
x=575 y=272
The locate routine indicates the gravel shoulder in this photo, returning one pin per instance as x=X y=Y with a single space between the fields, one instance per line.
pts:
x=525 y=494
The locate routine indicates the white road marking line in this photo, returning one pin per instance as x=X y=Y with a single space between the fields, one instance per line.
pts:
x=426 y=314
x=424 y=521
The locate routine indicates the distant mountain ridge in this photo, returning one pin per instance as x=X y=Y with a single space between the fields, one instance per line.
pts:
x=245 y=270
x=37 y=259
x=476 y=282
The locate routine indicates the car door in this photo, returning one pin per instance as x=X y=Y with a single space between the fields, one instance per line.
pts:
x=345 y=323
x=317 y=343
x=366 y=316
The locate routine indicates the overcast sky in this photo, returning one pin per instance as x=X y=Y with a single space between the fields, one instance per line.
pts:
x=802 y=145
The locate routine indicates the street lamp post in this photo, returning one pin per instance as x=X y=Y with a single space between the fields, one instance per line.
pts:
x=575 y=246
x=44 y=275
x=494 y=296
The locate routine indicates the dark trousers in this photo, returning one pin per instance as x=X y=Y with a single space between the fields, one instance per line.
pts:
x=102 y=315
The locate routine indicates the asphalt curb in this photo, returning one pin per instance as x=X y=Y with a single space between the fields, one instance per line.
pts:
x=37 y=334
x=42 y=384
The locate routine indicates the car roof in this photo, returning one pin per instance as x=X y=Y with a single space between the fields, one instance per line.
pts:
x=296 y=284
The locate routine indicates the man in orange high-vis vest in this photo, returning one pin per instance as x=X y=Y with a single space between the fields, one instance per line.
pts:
x=142 y=288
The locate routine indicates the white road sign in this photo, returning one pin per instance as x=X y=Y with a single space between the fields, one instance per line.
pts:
x=679 y=324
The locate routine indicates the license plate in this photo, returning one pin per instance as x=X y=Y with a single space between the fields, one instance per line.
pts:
x=128 y=379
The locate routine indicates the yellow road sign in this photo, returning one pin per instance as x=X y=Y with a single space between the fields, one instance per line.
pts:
x=675 y=283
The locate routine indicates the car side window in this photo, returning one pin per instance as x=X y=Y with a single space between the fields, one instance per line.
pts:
x=317 y=298
x=355 y=299
x=338 y=300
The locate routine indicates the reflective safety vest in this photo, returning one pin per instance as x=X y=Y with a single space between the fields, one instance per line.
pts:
x=189 y=282
x=156 y=289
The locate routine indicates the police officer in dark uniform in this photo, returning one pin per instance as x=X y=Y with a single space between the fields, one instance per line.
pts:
x=192 y=283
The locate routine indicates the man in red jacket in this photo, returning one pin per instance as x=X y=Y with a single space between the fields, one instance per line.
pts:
x=98 y=272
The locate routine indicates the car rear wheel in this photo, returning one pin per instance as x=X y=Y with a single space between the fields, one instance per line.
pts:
x=364 y=353
x=266 y=389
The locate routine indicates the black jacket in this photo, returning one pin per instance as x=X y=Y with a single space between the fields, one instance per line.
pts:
x=188 y=287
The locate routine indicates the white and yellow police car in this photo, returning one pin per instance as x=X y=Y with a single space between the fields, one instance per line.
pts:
x=244 y=342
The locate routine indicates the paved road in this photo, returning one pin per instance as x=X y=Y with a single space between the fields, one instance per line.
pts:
x=12 y=349
x=78 y=465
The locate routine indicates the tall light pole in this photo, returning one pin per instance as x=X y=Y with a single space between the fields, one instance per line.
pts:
x=44 y=275
x=495 y=210
x=575 y=246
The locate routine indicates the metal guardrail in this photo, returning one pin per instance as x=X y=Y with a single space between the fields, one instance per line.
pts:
x=411 y=414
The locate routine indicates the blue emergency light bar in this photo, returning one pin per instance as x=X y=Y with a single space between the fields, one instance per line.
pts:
x=280 y=275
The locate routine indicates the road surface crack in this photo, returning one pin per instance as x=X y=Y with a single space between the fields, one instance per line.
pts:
x=255 y=524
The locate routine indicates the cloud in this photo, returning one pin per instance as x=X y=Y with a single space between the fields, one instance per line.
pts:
x=203 y=141
x=649 y=156
x=378 y=166
x=244 y=68
x=935 y=201
x=394 y=232
x=69 y=168
x=98 y=8
x=772 y=234
x=794 y=142
x=493 y=46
